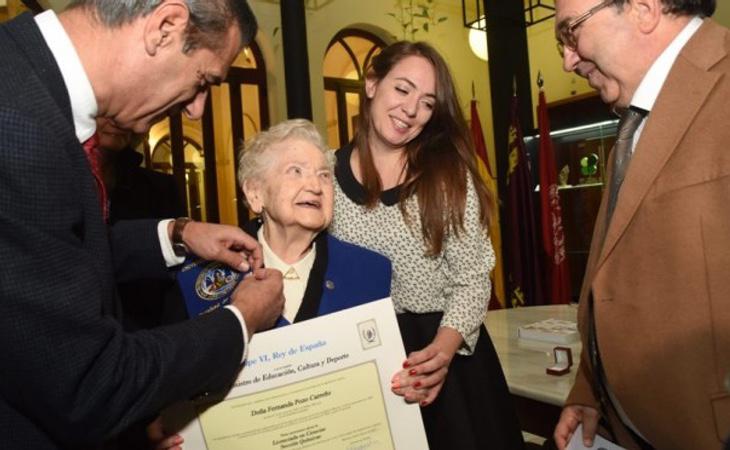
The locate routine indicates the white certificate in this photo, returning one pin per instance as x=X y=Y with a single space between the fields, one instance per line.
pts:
x=320 y=384
x=599 y=443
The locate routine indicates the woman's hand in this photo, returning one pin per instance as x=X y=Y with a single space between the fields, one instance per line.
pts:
x=162 y=441
x=424 y=371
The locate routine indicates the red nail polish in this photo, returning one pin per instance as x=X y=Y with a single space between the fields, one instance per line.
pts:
x=406 y=365
x=412 y=372
x=417 y=384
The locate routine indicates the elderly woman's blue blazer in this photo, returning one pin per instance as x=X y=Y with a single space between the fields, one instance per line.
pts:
x=343 y=275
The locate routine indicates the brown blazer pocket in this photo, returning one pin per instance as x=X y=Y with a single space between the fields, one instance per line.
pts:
x=668 y=185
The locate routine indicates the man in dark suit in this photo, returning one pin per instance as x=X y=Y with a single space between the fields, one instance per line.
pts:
x=655 y=305
x=71 y=377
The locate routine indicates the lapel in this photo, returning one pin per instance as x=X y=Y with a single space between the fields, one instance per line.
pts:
x=52 y=96
x=687 y=87
x=315 y=284
x=42 y=93
x=596 y=240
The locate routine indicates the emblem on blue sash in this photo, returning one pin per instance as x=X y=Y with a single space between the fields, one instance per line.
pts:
x=206 y=285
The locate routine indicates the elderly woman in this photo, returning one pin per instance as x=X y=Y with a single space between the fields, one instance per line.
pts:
x=286 y=174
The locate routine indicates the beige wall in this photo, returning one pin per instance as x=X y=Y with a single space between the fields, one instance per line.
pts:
x=722 y=14
x=450 y=38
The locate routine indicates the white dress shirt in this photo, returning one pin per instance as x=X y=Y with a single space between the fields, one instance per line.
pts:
x=295 y=275
x=652 y=83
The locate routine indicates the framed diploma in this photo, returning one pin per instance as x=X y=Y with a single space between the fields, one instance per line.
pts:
x=319 y=384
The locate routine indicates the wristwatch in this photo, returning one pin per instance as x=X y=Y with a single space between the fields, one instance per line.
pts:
x=178 y=246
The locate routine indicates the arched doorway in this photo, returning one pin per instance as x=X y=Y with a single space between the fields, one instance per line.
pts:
x=348 y=56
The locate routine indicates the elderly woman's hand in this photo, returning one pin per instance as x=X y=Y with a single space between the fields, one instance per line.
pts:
x=424 y=372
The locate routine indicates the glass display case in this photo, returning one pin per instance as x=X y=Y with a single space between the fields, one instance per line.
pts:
x=580 y=153
x=580 y=159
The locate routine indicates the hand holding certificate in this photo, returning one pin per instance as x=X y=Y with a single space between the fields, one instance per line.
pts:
x=576 y=442
x=319 y=384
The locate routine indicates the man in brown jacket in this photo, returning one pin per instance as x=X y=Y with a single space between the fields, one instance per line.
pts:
x=655 y=305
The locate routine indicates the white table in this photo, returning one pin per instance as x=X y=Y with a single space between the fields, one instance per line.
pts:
x=538 y=396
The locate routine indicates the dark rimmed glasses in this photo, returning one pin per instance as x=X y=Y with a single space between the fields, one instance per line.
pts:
x=566 y=33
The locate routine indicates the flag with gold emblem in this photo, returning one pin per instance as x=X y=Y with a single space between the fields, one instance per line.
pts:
x=522 y=241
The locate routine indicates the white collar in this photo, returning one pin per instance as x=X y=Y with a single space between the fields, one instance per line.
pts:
x=650 y=86
x=80 y=92
x=271 y=260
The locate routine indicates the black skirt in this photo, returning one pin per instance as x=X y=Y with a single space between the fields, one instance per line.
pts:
x=474 y=410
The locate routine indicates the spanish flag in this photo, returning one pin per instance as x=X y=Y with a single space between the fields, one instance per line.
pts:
x=497 y=300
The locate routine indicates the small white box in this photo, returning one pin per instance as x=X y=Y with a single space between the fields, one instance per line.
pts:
x=554 y=331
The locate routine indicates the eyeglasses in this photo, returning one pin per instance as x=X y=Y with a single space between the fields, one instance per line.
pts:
x=566 y=33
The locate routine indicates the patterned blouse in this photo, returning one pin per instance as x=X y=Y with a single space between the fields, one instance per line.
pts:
x=456 y=281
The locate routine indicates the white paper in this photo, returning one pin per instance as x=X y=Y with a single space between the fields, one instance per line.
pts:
x=599 y=443
x=320 y=384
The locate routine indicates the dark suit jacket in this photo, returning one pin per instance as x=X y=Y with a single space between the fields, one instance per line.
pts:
x=139 y=193
x=661 y=281
x=136 y=192
x=70 y=376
